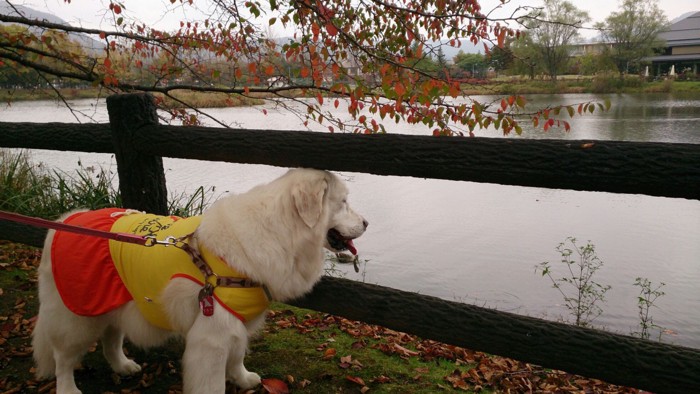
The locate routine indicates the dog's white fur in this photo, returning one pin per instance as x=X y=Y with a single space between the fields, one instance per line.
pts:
x=275 y=234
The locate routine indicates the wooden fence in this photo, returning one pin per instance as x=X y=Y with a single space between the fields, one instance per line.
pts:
x=656 y=169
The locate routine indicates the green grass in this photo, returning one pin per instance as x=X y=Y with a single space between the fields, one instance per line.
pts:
x=29 y=188
x=331 y=349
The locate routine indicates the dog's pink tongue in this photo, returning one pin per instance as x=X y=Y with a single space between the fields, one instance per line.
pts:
x=351 y=247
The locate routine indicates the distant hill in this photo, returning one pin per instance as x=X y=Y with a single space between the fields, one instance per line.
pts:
x=85 y=41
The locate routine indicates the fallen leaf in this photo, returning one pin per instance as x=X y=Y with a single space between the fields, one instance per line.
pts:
x=381 y=379
x=355 y=379
x=329 y=353
x=304 y=383
x=275 y=386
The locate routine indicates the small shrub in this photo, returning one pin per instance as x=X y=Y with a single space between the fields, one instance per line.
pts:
x=581 y=294
x=645 y=301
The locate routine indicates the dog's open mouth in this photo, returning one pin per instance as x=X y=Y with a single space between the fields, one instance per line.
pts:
x=340 y=243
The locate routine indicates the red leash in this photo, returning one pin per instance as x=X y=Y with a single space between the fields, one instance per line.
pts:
x=121 y=237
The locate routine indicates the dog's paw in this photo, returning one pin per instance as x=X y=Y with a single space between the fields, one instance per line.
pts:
x=128 y=367
x=248 y=380
x=70 y=391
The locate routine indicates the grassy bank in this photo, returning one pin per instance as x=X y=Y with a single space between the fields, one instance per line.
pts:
x=495 y=86
x=582 y=84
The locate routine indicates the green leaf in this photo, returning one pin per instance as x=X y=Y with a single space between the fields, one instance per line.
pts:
x=571 y=111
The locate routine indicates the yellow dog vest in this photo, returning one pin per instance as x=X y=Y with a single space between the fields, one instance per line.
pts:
x=146 y=271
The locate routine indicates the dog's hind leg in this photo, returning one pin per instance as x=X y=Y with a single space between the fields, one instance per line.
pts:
x=43 y=350
x=112 y=348
x=70 y=341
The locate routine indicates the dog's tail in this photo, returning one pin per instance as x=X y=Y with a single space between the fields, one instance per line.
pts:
x=43 y=351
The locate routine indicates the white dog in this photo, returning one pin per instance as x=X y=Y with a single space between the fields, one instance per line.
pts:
x=266 y=243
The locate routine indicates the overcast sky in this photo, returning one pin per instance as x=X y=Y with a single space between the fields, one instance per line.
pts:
x=88 y=13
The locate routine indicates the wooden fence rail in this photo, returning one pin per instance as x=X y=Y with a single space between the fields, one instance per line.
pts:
x=657 y=169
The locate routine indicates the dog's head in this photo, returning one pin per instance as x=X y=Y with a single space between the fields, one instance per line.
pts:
x=321 y=199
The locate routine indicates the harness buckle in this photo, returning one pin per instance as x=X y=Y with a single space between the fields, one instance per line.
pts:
x=168 y=241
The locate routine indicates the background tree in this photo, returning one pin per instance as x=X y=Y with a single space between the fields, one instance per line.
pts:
x=526 y=58
x=442 y=66
x=470 y=64
x=501 y=58
x=633 y=32
x=550 y=32
x=362 y=54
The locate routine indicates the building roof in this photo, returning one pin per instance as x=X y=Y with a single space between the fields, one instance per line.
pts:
x=685 y=31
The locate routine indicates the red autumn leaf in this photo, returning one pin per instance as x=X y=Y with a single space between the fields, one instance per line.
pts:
x=454 y=90
x=399 y=88
x=331 y=29
x=355 y=379
x=329 y=353
x=275 y=386
x=567 y=126
x=381 y=379
x=501 y=38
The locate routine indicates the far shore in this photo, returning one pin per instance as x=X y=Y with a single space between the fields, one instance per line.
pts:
x=496 y=86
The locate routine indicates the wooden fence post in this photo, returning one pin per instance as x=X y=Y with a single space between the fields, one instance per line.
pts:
x=141 y=176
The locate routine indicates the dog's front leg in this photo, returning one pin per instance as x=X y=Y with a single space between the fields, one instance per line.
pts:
x=206 y=353
x=236 y=371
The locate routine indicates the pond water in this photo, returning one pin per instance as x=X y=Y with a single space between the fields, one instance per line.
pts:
x=480 y=243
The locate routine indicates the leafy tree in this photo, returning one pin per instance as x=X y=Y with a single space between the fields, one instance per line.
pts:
x=23 y=74
x=469 y=62
x=501 y=58
x=366 y=55
x=526 y=58
x=633 y=32
x=442 y=65
x=551 y=31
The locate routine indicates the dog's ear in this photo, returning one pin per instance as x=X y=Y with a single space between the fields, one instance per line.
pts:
x=308 y=199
